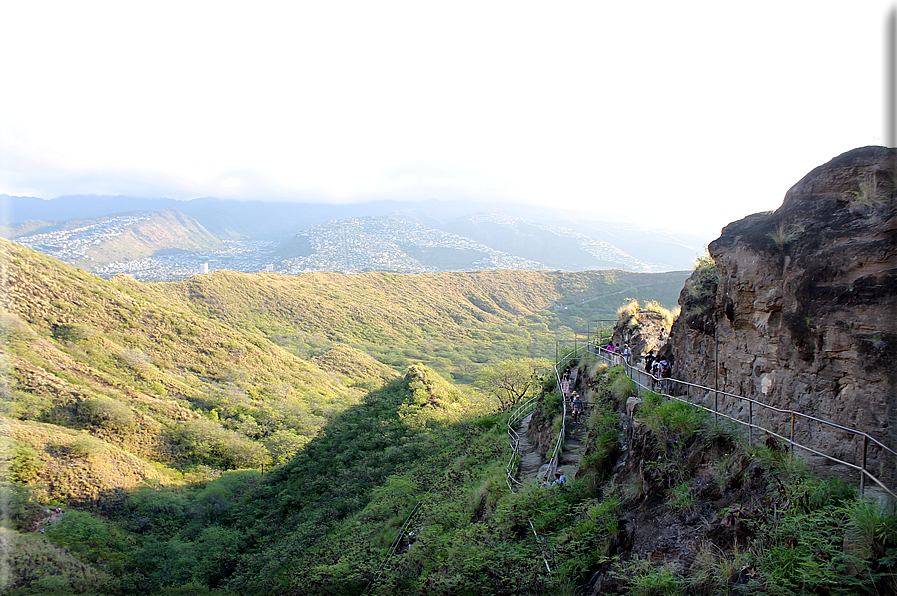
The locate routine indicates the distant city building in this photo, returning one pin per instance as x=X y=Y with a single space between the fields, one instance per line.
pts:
x=204 y=268
x=269 y=268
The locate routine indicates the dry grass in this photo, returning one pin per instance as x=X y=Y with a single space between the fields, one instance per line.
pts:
x=628 y=313
x=669 y=316
x=785 y=234
x=870 y=198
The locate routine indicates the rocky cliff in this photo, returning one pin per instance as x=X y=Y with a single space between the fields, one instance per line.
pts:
x=799 y=309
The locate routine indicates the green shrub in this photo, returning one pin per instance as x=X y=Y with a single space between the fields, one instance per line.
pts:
x=155 y=510
x=91 y=538
x=704 y=280
x=283 y=445
x=873 y=529
x=25 y=405
x=673 y=417
x=623 y=387
x=106 y=413
x=590 y=539
x=648 y=580
x=86 y=446
x=682 y=500
x=25 y=463
x=20 y=507
x=72 y=332
x=551 y=403
x=604 y=440
x=205 y=441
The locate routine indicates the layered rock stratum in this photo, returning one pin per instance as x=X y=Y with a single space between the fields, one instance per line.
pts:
x=799 y=311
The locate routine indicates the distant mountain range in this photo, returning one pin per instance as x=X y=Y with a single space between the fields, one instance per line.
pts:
x=164 y=239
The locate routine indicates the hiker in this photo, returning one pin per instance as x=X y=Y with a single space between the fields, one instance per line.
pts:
x=649 y=361
x=565 y=387
x=559 y=479
x=577 y=407
x=627 y=354
x=666 y=372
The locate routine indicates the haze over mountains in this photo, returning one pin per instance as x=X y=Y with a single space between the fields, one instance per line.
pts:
x=164 y=239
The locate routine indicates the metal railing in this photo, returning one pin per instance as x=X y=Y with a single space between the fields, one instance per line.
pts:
x=521 y=412
x=514 y=463
x=695 y=395
x=559 y=445
x=393 y=547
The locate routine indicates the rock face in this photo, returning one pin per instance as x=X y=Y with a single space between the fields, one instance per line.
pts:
x=800 y=310
x=644 y=330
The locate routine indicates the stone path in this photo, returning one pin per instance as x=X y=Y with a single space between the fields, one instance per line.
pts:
x=574 y=446
x=530 y=460
x=532 y=468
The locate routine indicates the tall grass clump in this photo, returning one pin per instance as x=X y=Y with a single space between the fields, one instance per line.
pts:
x=705 y=278
x=628 y=313
x=669 y=316
x=621 y=386
x=672 y=417
x=597 y=369
x=868 y=199
x=646 y=579
x=785 y=234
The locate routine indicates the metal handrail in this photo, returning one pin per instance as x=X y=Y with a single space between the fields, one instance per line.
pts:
x=394 y=546
x=513 y=463
x=612 y=358
x=555 y=455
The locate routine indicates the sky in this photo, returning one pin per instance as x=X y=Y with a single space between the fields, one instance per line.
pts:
x=681 y=115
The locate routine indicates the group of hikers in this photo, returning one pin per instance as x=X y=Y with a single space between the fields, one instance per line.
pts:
x=625 y=352
x=659 y=368
x=576 y=402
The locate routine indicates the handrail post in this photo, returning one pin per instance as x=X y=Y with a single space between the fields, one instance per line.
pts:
x=792 y=435
x=716 y=372
x=751 y=422
x=863 y=471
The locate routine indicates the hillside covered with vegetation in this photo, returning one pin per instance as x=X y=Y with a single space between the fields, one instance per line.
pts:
x=329 y=434
x=110 y=386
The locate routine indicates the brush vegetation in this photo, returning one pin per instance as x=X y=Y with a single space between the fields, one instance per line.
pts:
x=323 y=434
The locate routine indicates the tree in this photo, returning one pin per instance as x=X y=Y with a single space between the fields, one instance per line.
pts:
x=511 y=381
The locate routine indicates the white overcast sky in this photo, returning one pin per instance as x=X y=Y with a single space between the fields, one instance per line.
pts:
x=683 y=114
